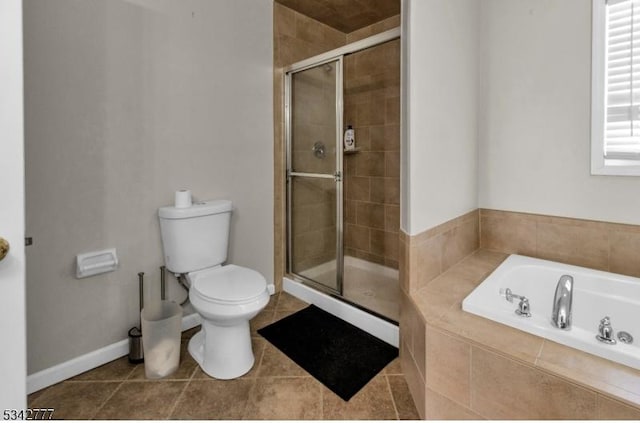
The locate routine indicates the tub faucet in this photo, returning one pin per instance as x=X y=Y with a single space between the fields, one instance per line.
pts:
x=561 y=315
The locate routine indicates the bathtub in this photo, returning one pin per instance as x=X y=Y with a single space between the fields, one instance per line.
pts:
x=596 y=294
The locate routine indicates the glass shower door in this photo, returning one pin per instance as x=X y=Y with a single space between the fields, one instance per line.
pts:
x=314 y=167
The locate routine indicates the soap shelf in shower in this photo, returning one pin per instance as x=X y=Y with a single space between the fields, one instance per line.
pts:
x=354 y=151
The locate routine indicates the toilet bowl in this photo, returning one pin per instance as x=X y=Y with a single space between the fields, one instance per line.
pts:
x=226 y=297
x=195 y=241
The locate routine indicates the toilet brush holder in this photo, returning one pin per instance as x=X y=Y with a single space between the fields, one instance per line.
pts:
x=136 y=351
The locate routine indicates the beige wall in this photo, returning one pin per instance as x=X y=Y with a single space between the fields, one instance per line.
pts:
x=440 y=106
x=535 y=115
x=127 y=101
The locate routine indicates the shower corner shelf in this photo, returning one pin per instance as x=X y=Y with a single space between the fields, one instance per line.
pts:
x=354 y=151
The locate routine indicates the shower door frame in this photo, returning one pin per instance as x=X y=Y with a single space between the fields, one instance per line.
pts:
x=321 y=59
x=337 y=175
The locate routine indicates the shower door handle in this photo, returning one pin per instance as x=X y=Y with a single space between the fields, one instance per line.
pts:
x=4 y=248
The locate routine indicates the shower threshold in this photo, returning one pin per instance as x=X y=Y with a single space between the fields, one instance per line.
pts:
x=380 y=328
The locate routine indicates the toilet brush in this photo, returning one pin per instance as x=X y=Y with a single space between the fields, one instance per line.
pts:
x=136 y=353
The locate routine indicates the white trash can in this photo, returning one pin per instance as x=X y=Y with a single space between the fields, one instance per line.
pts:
x=161 y=329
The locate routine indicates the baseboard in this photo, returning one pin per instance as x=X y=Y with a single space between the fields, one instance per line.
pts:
x=381 y=329
x=83 y=363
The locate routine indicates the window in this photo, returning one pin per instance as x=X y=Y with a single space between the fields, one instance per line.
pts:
x=615 y=96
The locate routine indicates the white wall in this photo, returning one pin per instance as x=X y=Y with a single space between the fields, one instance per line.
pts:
x=127 y=101
x=535 y=114
x=440 y=140
x=13 y=363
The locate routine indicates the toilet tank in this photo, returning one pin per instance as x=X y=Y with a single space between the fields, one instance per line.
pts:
x=195 y=237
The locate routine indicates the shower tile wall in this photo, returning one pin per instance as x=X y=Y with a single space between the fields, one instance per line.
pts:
x=372 y=175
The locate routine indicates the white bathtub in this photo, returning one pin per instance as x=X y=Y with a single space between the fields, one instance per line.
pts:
x=596 y=294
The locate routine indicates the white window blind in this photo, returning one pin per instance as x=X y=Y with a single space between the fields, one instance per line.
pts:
x=622 y=90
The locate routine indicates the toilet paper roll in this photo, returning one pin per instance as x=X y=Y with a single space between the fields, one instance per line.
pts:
x=183 y=199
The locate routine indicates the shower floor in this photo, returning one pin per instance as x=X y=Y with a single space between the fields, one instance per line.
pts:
x=369 y=285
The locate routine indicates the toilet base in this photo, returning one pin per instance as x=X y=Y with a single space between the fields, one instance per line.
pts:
x=223 y=352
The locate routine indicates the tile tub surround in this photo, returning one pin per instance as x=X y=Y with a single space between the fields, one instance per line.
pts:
x=461 y=366
x=612 y=247
x=275 y=389
x=425 y=256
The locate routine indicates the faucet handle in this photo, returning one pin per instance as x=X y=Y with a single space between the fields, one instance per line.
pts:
x=605 y=331
x=524 y=308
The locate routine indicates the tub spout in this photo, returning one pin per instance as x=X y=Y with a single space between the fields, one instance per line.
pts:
x=561 y=315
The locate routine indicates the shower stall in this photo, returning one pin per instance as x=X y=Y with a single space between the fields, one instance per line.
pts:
x=343 y=205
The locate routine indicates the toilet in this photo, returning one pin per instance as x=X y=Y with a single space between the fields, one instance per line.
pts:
x=195 y=241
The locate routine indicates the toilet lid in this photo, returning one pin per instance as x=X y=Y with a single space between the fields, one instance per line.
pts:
x=228 y=284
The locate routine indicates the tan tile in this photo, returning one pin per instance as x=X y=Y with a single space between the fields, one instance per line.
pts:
x=273 y=301
x=357 y=237
x=284 y=398
x=408 y=319
x=74 y=400
x=623 y=257
x=573 y=244
x=357 y=188
x=427 y=257
x=213 y=400
x=439 y=407
x=393 y=368
x=456 y=281
x=480 y=264
x=414 y=381
x=390 y=138
x=508 y=233
x=264 y=318
x=596 y=372
x=459 y=242
x=373 y=401
x=504 y=389
x=370 y=215
x=392 y=111
x=350 y=208
x=370 y=163
x=392 y=218
x=609 y=409
x=186 y=366
x=276 y=363
x=493 y=335
x=142 y=401
x=433 y=305
x=418 y=349
x=402 y=398
x=392 y=164
x=288 y=302
x=392 y=190
x=377 y=138
x=284 y=20
x=118 y=369
x=448 y=366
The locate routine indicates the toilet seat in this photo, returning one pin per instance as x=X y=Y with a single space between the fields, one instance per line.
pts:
x=228 y=284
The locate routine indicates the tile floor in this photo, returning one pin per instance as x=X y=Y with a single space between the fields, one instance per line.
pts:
x=275 y=389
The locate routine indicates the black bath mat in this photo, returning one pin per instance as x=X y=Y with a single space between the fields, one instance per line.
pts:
x=338 y=354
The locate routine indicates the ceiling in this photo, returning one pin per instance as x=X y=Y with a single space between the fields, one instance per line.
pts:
x=345 y=15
